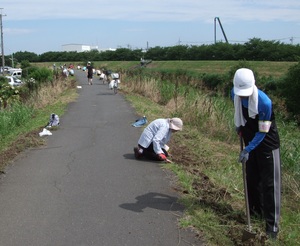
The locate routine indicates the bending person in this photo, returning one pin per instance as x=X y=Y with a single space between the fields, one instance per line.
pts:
x=153 y=140
x=255 y=121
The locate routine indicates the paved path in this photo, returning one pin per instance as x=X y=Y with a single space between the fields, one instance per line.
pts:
x=85 y=187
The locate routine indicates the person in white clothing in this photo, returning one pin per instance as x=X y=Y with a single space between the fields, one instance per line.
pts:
x=153 y=140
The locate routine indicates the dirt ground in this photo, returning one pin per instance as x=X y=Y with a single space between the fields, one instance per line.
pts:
x=30 y=140
x=214 y=198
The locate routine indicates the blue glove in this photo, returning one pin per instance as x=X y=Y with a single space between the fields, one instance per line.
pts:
x=244 y=156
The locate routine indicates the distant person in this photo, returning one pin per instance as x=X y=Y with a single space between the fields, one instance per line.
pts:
x=89 y=71
x=153 y=140
x=142 y=62
x=255 y=121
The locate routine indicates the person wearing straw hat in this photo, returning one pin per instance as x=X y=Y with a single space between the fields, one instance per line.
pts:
x=255 y=122
x=153 y=140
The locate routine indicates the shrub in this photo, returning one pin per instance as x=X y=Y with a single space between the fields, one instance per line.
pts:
x=8 y=94
x=42 y=75
x=290 y=88
x=212 y=81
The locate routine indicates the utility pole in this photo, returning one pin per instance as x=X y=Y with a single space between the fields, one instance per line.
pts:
x=218 y=19
x=2 y=45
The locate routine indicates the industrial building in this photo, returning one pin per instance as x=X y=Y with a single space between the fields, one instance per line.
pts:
x=78 y=47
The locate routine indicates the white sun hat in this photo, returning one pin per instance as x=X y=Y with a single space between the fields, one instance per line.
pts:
x=176 y=124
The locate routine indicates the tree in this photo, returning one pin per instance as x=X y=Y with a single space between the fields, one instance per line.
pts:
x=25 y=55
x=290 y=89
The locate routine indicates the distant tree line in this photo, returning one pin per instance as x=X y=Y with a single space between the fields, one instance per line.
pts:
x=253 y=50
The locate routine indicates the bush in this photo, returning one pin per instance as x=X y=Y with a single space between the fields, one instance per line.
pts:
x=28 y=71
x=8 y=94
x=290 y=88
x=42 y=75
x=213 y=81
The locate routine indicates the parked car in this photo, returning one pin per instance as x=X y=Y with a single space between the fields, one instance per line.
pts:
x=5 y=68
x=14 y=81
x=15 y=72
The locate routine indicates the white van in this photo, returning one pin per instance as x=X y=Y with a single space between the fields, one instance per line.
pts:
x=16 y=72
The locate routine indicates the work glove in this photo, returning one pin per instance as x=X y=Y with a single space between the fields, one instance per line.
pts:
x=238 y=130
x=162 y=157
x=244 y=156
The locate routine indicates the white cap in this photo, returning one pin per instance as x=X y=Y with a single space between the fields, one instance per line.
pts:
x=175 y=124
x=243 y=82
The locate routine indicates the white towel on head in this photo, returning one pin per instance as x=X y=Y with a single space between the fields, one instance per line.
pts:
x=239 y=119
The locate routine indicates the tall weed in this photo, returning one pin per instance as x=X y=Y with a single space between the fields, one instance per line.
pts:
x=213 y=115
x=14 y=117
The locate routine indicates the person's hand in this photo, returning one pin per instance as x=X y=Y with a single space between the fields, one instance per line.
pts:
x=162 y=157
x=238 y=130
x=244 y=156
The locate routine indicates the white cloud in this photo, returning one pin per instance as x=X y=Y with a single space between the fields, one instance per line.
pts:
x=17 y=31
x=154 y=10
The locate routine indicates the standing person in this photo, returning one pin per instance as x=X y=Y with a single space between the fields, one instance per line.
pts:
x=255 y=121
x=153 y=140
x=89 y=71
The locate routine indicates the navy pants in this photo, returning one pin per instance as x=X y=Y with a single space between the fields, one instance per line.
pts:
x=150 y=154
x=264 y=186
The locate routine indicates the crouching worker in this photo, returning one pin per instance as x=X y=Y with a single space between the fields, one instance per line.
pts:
x=154 y=138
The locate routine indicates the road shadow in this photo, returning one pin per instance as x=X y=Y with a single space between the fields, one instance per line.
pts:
x=106 y=94
x=154 y=200
x=130 y=156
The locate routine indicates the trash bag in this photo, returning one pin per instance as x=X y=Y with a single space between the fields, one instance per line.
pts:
x=53 y=121
x=140 y=122
x=45 y=132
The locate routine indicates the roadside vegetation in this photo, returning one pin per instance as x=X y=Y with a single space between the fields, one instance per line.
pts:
x=206 y=170
x=205 y=153
x=254 y=50
x=25 y=110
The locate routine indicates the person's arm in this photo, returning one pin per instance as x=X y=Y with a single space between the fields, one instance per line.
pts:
x=159 y=136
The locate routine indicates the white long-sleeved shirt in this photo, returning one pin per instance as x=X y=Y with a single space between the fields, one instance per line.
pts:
x=157 y=132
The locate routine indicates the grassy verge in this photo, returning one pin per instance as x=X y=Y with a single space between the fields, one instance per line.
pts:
x=35 y=116
x=205 y=163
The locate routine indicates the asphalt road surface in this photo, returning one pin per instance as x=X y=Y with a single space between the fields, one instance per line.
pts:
x=85 y=186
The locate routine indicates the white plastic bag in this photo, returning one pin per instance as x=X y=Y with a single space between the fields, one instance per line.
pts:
x=111 y=84
x=45 y=132
x=115 y=76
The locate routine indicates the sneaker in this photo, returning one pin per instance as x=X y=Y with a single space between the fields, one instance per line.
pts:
x=137 y=154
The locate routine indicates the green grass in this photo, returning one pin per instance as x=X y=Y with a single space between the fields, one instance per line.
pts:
x=264 y=68
x=215 y=208
x=210 y=177
x=20 y=124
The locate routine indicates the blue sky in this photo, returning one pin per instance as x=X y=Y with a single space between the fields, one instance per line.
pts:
x=41 y=26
